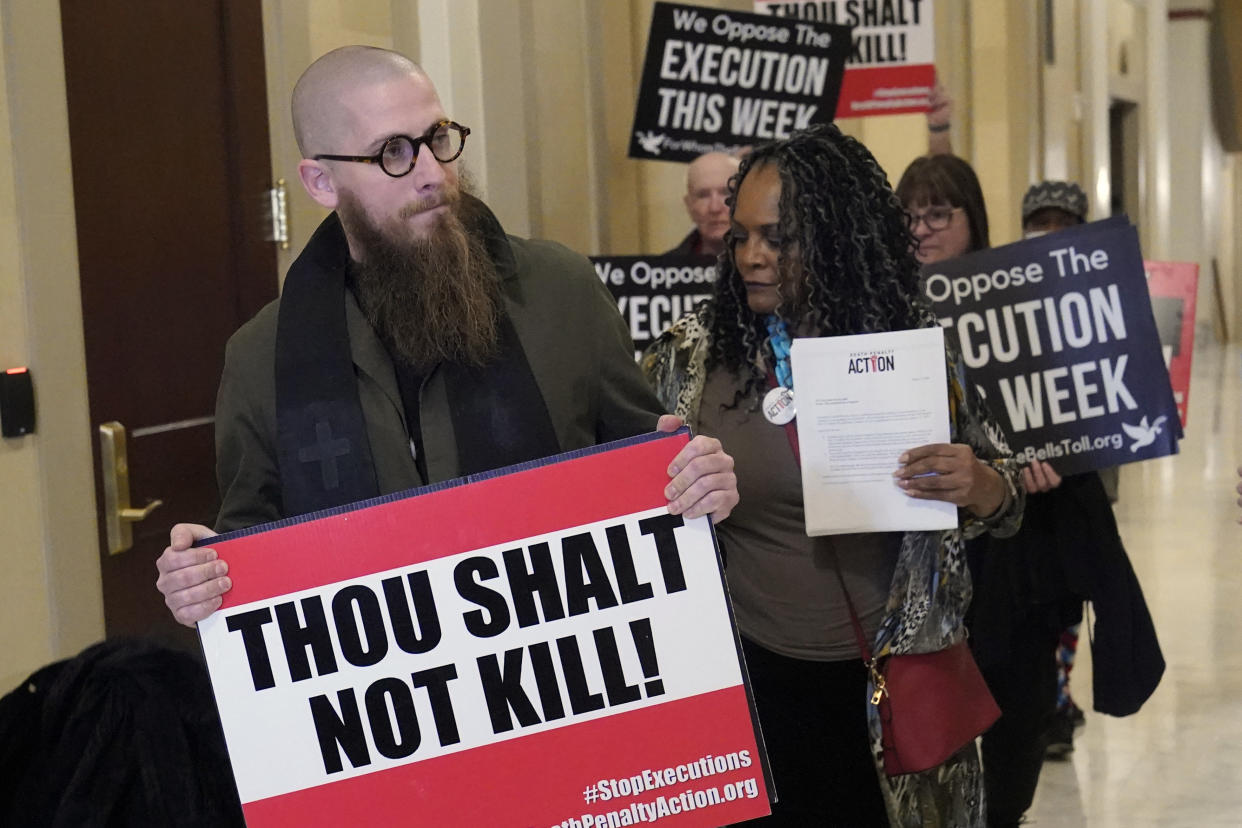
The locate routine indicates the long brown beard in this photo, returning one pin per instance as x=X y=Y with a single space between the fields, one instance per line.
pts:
x=431 y=300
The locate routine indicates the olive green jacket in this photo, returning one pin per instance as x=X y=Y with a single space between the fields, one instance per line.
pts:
x=578 y=347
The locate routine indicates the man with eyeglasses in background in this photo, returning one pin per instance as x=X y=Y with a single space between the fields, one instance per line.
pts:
x=414 y=341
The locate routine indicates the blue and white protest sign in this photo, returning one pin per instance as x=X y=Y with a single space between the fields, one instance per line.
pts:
x=1057 y=335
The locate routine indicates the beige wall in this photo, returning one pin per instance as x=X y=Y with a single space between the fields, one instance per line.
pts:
x=1195 y=158
x=1004 y=107
x=1227 y=93
x=561 y=137
x=1060 y=100
x=1229 y=249
x=295 y=33
x=50 y=601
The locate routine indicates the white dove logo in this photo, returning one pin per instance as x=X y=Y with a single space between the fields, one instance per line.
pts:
x=651 y=141
x=1143 y=434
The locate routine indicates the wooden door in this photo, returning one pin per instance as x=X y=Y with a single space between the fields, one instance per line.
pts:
x=171 y=167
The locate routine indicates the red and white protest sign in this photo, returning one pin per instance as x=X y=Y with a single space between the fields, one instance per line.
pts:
x=891 y=67
x=547 y=646
x=1173 y=287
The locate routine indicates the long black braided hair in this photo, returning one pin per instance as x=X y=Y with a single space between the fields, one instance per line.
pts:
x=843 y=231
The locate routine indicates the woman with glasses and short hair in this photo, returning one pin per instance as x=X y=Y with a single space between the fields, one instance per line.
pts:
x=944 y=202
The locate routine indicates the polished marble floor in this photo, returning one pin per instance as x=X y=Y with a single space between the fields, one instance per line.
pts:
x=1178 y=761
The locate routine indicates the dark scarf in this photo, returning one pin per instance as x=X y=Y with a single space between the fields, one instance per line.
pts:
x=499 y=416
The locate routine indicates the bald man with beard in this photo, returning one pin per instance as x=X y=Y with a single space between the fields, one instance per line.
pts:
x=414 y=341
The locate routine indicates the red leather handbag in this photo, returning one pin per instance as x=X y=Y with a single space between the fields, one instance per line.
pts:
x=931 y=706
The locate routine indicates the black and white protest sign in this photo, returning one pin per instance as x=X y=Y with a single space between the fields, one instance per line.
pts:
x=653 y=292
x=1057 y=334
x=718 y=80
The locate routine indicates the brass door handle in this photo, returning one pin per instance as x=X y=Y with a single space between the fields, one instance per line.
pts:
x=114 y=464
x=136 y=515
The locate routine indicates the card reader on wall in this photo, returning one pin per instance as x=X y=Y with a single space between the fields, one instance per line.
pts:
x=17 y=413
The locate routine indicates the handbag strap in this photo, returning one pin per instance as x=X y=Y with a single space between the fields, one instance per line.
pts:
x=858 y=630
x=877 y=678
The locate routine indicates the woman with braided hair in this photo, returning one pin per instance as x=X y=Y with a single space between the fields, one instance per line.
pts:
x=819 y=246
